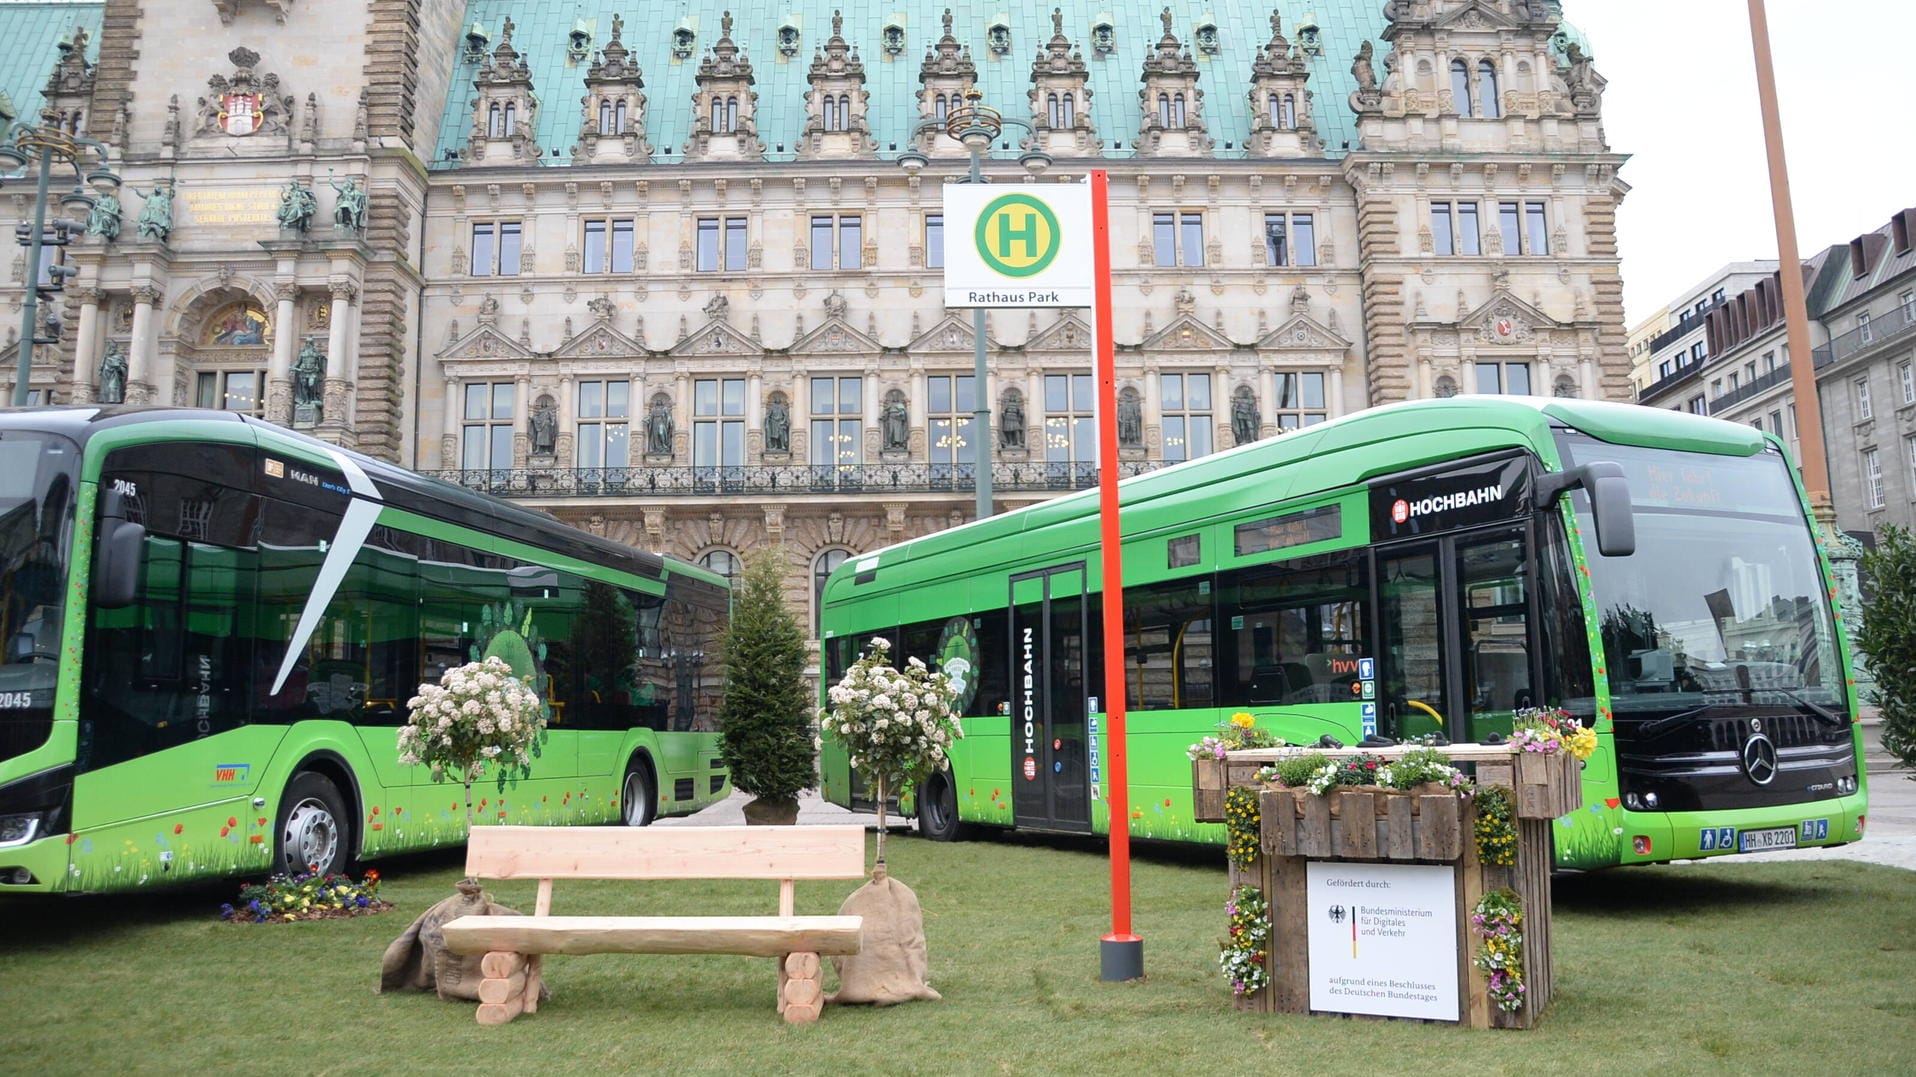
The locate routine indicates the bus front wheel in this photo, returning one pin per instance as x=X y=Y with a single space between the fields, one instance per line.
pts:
x=638 y=795
x=938 y=809
x=313 y=835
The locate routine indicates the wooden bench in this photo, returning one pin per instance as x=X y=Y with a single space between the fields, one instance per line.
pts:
x=514 y=945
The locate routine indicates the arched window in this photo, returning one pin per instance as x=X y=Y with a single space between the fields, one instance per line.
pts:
x=1487 y=105
x=1051 y=110
x=731 y=114
x=605 y=117
x=845 y=112
x=723 y=562
x=718 y=115
x=495 y=127
x=618 y=118
x=1164 y=110
x=1177 y=110
x=940 y=108
x=1460 y=87
x=831 y=113
x=1287 y=117
x=1068 y=110
x=822 y=567
x=1274 y=111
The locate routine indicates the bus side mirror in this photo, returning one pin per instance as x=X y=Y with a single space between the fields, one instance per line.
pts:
x=119 y=560
x=1609 y=503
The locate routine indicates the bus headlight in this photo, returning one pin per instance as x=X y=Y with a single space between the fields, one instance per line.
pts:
x=18 y=829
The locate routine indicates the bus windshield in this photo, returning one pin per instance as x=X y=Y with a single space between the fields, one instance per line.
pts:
x=37 y=474
x=1723 y=603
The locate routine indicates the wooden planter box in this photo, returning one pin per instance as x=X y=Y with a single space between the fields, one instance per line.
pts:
x=1432 y=826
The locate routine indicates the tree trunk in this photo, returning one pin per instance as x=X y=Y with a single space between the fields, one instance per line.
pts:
x=881 y=824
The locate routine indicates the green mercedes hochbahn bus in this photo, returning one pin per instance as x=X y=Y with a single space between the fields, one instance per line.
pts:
x=1424 y=567
x=211 y=627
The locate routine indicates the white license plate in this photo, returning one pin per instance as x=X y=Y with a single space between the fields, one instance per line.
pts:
x=1757 y=841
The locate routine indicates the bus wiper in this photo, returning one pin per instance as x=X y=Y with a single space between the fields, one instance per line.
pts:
x=1816 y=710
x=1652 y=729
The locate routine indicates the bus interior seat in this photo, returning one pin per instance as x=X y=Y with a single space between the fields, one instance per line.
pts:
x=1273 y=682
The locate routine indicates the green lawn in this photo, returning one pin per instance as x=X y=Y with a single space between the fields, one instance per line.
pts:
x=1743 y=968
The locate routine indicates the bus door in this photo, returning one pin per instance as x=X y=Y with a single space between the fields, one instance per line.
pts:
x=1456 y=600
x=1050 y=771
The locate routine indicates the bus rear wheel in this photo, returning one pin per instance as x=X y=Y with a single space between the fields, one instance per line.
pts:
x=313 y=834
x=638 y=795
x=938 y=809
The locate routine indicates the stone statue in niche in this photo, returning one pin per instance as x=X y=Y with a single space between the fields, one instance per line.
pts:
x=1011 y=422
x=103 y=219
x=658 y=428
x=309 y=375
x=349 y=211
x=1244 y=416
x=545 y=428
x=778 y=426
x=1130 y=420
x=156 y=211
x=112 y=375
x=896 y=422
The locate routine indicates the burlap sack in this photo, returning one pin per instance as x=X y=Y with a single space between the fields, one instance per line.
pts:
x=419 y=961
x=890 y=966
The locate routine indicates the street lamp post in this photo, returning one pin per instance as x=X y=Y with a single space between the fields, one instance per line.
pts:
x=50 y=145
x=976 y=127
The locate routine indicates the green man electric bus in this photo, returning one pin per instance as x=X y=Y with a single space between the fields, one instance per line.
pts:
x=211 y=627
x=1427 y=567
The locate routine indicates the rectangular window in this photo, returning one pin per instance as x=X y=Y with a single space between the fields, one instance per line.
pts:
x=1510 y=227
x=1907 y=379
x=1909 y=452
x=1862 y=400
x=1862 y=327
x=1290 y=239
x=509 y=248
x=1749 y=372
x=483 y=248
x=1696 y=406
x=622 y=237
x=842 y=236
x=1183 y=551
x=1177 y=238
x=1442 y=235
x=232 y=390
x=1469 y=237
x=487 y=444
x=1696 y=352
x=1070 y=432
x=1769 y=362
x=1873 y=477
x=1168 y=634
x=838 y=438
x=718 y=422
x=1184 y=403
x=1300 y=400
x=592 y=255
x=604 y=423
x=707 y=247
x=934 y=241
x=1510 y=378
x=1776 y=423
x=1292 y=634
x=1906 y=302
x=1536 y=228
x=495 y=248
x=721 y=242
x=737 y=250
x=1295 y=529
x=951 y=403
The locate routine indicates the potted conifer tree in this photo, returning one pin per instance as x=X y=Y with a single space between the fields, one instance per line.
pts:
x=767 y=715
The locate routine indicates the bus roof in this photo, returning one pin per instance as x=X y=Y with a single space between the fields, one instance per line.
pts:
x=1529 y=420
x=400 y=487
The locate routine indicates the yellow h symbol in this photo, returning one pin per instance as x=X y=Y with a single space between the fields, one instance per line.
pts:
x=1027 y=234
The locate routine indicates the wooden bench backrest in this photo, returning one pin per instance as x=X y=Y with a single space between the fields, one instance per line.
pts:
x=713 y=852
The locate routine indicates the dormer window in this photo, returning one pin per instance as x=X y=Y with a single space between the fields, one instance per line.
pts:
x=1858 y=260
x=1104 y=39
x=1307 y=39
x=788 y=40
x=894 y=39
x=611 y=117
x=1899 y=231
x=1207 y=38
x=683 y=42
x=580 y=45
x=999 y=37
x=724 y=115
x=476 y=41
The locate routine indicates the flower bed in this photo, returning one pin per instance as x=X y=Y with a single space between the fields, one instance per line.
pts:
x=306 y=897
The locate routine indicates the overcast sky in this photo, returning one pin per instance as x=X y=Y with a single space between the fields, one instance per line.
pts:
x=1682 y=103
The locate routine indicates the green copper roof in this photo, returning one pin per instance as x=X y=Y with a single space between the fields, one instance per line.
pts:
x=541 y=29
x=32 y=33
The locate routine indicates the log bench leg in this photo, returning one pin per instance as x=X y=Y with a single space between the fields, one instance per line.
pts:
x=510 y=979
x=801 y=990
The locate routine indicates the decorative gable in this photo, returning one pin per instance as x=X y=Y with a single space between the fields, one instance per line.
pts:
x=835 y=336
x=1506 y=320
x=599 y=341
x=487 y=342
x=717 y=338
x=952 y=334
x=1302 y=333
x=1186 y=334
x=945 y=77
x=1068 y=334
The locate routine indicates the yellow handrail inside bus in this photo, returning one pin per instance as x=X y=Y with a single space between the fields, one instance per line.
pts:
x=1426 y=708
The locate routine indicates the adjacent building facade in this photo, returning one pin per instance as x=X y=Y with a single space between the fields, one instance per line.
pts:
x=661 y=275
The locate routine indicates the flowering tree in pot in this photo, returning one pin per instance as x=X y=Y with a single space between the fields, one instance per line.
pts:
x=897 y=725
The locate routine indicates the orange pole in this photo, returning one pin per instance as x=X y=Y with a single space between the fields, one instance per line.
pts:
x=1796 y=315
x=1121 y=953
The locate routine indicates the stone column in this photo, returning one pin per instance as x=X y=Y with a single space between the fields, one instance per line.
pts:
x=1334 y=396
x=449 y=431
x=563 y=450
x=521 y=409
x=279 y=371
x=338 y=357
x=86 y=346
x=141 y=360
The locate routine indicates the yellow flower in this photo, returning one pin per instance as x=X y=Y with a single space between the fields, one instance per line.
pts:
x=1243 y=720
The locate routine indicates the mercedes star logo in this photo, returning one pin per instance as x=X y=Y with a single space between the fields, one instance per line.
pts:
x=1759 y=759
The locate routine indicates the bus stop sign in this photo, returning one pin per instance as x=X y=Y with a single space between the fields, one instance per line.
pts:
x=1024 y=246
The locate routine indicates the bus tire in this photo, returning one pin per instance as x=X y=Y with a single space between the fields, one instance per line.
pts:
x=638 y=794
x=314 y=832
x=938 y=809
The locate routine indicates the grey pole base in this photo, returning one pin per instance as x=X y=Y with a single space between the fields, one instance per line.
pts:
x=1120 y=958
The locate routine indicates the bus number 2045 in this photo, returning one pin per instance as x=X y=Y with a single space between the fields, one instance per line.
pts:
x=15 y=700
